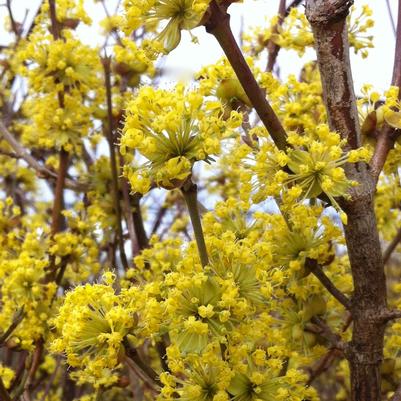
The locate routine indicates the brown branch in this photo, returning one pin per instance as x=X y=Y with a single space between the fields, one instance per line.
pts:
x=14 y=25
x=58 y=203
x=319 y=327
x=113 y=162
x=159 y=218
x=329 y=358
x=388 y=135
x=190 y=193
x=142 y=238
x=392 y=246
x=390 y=314
x=274 y=48
x=218 y=24
x=390 y=15
x=128 y=213
x=318 y=272
x=55 y=25
x=42 y=171
x=146 y=372
x=295 y=3
x=19 y=316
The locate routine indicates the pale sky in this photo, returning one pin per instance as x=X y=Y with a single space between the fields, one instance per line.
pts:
x=189 y=57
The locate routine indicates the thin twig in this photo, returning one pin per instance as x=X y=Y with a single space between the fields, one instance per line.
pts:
x=113 y=162
x=42 y=171
x=14 y=25
x=139 y=227
x=327 y=359
x=272 y=47
x=58 y=203
x=159 y=218
x=390 y=14
x=318 y=272
x=392 y=246
x=50 y=381
x=128 y=213
x=147 y=373
x=319 y=327
x=19 y=316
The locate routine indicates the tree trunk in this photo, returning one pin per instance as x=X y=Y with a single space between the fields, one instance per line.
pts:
x=368 y=304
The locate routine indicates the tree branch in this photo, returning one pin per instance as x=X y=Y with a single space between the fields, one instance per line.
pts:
x=42 y=171
x=218 y=24
x=273 y=48
x=327 y=359
x=113 y=162
x=16 y=321
x=146 y=373
x=390 y=15
x=318 y=326
x=318 y=272
x=190 y=193
x=140 y=233
x=369 y=299
x=390 y=314
x=392 y=246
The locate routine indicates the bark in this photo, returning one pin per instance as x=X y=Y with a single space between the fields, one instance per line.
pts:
x=365 y=351
x=368 y=304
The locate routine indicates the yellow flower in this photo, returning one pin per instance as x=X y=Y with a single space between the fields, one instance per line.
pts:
x=93 y=322
x=172 y=130
x=179 y=14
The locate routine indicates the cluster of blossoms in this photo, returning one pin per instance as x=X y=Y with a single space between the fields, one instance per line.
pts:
x=312 y=167
x=171 y=130
x=295 y=33
x=61 y=73
x=166 y=18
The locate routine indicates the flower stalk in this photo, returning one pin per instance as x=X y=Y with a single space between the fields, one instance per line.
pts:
x=190 y=193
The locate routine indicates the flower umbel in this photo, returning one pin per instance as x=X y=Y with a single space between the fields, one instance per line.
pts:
x=172 y=130
x=179 y=14
x=93 y=322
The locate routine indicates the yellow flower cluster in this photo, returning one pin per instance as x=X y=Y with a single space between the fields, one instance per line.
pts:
x=171 y=130
x=176 y=15
x=296 y=34
x=93 y=323
x=61 y=73
x=314 y=167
